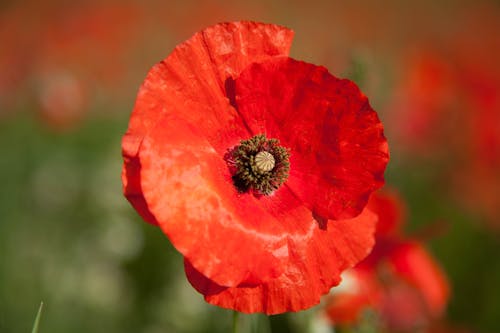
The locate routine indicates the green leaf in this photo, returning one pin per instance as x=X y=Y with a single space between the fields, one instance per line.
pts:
x=37 y=319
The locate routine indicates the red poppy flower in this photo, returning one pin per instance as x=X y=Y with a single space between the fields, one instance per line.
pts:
x=442 y=91
x=422 y=102
x=256 y=166
x=359 y=291
x=62 y=99
x=400 y=279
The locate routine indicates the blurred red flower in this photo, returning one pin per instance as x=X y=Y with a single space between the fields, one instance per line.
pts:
x=448 y=91
x=62 y=100
x=476 y=180
x=256 y=166
x=422 y=102
x=83 y=52
x=399 y=280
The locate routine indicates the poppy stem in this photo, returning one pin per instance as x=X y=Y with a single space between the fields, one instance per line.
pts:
x=236 y=316
x=343 y=329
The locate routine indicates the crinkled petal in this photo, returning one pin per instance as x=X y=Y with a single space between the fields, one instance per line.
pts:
x=338 y=150
x=196 y=76
x=315 y=262
x=231 y=237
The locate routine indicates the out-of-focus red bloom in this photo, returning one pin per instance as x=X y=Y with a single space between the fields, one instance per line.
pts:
x=423 y=283
x=62 y=100
x=423 y=99
x=458 y=105
x=87 y=43
x=271 y=251
x=477 y=179
x=16 y=59
x=476 y=53
x=391 y=213
x=358 y=292
x=76 y=46
x=90 y=40
x=450 y=93
x=399 y=280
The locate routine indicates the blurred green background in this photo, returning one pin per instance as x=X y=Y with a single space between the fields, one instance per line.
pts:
x=69 y=73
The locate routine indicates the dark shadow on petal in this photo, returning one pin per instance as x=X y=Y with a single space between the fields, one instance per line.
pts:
x=231 y=91
x=322 y=222
x=133 y=189
x=200 y=282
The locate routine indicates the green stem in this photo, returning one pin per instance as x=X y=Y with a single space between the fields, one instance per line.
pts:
x=343 y=329
x=236 y=316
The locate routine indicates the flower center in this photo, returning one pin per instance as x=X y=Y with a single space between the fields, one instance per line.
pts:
x=259 y=164
x=264 y=161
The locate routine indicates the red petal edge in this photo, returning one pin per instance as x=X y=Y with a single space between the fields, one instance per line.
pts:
x=196 y=72
x=338 y=149
x=314 y=266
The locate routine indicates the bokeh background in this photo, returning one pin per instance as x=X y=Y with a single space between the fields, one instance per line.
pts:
x=69 y=74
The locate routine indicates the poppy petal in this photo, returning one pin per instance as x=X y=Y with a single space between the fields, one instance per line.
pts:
x=359 y=290
x=338 y=150
x=415 y=264
x=231 y=237
x=391 y=211
x=198 y=72
x=314 y=267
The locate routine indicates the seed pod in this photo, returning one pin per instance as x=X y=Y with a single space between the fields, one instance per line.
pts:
x=264 y=161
